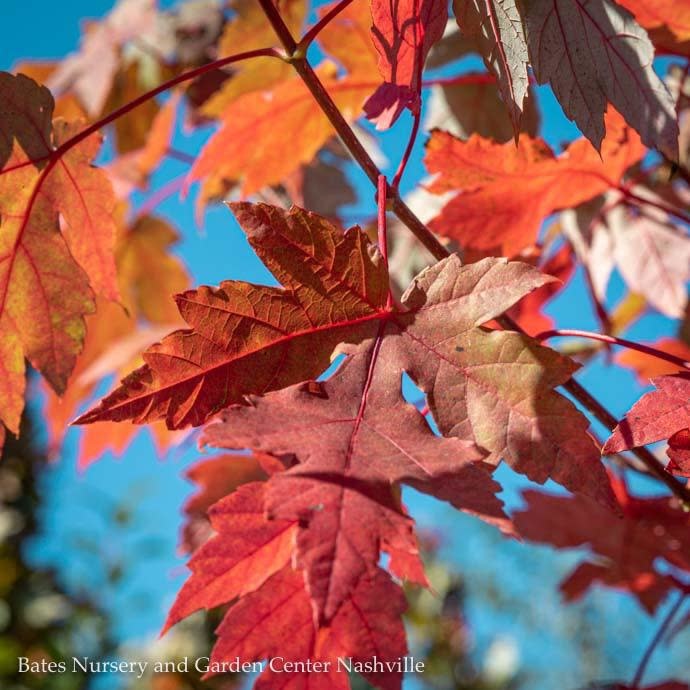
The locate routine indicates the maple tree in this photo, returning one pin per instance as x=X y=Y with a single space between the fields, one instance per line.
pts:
x=299 y=528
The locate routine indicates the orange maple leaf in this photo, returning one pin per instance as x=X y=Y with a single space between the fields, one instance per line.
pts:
x=347 y=38
x=56 y=247
x=506 y=191
x=655 y=14
x=148 y=277
x=252 y=145
x=249 y=30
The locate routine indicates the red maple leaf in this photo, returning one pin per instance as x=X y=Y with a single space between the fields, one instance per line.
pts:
x=403 y=32
x=656 y=416
x=628 y=549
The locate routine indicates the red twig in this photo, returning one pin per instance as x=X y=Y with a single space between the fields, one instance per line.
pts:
x=408 y=150
x=665 y=624
x=417 y=114
x=315 y=30
x=279 y=26
x=612 y=340
x=381 y=205
x=381 y=200
x=347 y=136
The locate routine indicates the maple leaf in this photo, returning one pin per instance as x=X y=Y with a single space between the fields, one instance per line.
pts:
x=277 y=620
x=650 y=252
x=497 y=27
x=21 y=97
x=49 y=269
x=653 y=256
x=470 y=392
x=656 y=416
x=679 y=453
x=349 y=455
x=403 y=33
x=65 y=184
x=12 y=384
x=249 y=558
x=250 y=30
x=335 y=290
x=215 y=478
x=67 y=106
x=251 y=339
x=506 y=191
x=246 y=551
x=347 y=37
x=650 y=588
x=661 y=13
x=83 y=196
x=251 y=145
x=593 y=54
x=628 y=548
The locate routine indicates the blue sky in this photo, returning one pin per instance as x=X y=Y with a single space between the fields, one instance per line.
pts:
x=78 y=514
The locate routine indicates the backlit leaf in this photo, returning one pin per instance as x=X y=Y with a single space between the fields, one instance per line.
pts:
x=250 y=30
x=653 y=14
x=593 y=54
x=251 y=145
x=250 y=339
x=403 y=33
x=630 y=546
x=655 y=416
x=506 y=191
